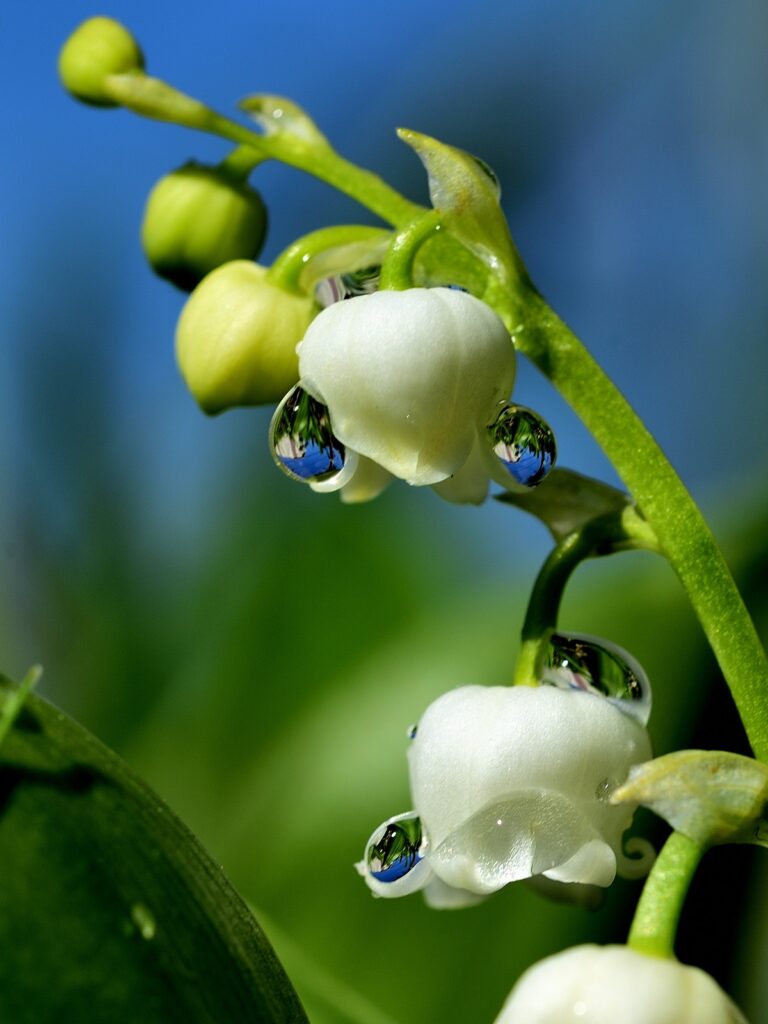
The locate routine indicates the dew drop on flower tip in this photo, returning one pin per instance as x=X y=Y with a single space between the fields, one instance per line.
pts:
x=578 y=662
x=411 y=732
x=395 y=848
x=523 y=443
x=301 y=440
x=347 y=286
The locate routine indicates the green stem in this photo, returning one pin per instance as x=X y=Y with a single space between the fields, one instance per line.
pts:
x=604 y=535
x=296 y=262
x=238 y=164
x=658 y=911
x=397 y=268
x=683 y=535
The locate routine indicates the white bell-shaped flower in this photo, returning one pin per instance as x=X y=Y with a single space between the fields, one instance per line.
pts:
x=410 y=379
x=607 y=984
x=510 y=783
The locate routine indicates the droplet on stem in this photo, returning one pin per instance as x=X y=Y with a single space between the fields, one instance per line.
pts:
x=346 y=286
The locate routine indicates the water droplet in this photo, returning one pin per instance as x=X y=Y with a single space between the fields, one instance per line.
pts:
x=578 y=662
x=524 y=444
x=301 y=439
x=412 y=730
x=346 y=286
x=490 y=173
x=395 y=848
x=143 y=919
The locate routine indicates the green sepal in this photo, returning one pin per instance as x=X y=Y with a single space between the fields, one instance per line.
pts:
x=110 y=910
x=282 y=118
x=467 y=194
x=711 y=796
x=566 y=501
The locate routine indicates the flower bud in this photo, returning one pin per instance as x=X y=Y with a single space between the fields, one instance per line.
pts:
x=607 y=984
x=237 y=335
x=197 y=218
x=97 y=48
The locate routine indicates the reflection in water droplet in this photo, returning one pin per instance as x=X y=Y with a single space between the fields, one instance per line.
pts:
x=144 y=921
x=490 y=173
x=524 y=444
x=412 y=730
x=578 y=662
x=395 y=848
x=346 y=286
x=301 y=440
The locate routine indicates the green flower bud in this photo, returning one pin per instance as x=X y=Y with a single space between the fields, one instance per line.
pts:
x=97 y=48
x=237 y=336
x=197 y=218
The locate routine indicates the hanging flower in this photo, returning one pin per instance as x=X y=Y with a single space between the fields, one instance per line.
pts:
x=606 y=984
x=509 y=784
x=414 y=384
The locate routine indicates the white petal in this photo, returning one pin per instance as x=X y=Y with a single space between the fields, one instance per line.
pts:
x=610 y=984
x=409 y=376
x=366 y=483
x=536 y=759
x=440 y=896
x=469 y=486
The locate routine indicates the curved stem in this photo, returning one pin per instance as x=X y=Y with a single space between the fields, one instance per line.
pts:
x=397 y=268
x=658 y=911
x=297 y=260
x=683 y=535
x=604 y=535
x=240 y=162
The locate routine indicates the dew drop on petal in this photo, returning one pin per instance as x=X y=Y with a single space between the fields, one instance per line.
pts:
x=301 y=440
x=347 y=286
x=523 y=443
x=578 y=662
x=395 y=848
x=412 y=730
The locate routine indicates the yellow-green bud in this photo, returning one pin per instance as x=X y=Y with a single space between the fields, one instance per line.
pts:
x=237 y=335
x=197 y=218
x=97 y=48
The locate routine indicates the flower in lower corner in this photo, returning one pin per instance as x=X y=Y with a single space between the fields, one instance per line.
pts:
x=409 y=384
x=606 y=984
x=510 y=784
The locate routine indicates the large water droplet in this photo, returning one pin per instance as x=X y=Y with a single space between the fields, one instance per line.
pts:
x=578 y=662
x=523 y=443
x=346 y=286
x=301 y=440
x=395 y=848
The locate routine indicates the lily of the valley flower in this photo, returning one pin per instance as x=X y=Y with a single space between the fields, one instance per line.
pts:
x=509 y=784
x=411 y=379
x=606 y=984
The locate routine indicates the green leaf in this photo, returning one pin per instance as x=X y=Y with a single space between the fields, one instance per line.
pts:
x=466 y=192
x=711 y=796
x=110 y=910
x=566 y=501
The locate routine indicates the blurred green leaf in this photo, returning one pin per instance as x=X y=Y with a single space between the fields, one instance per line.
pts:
x=110 y=910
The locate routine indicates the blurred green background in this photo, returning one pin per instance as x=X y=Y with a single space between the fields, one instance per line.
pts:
x=255 y=651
